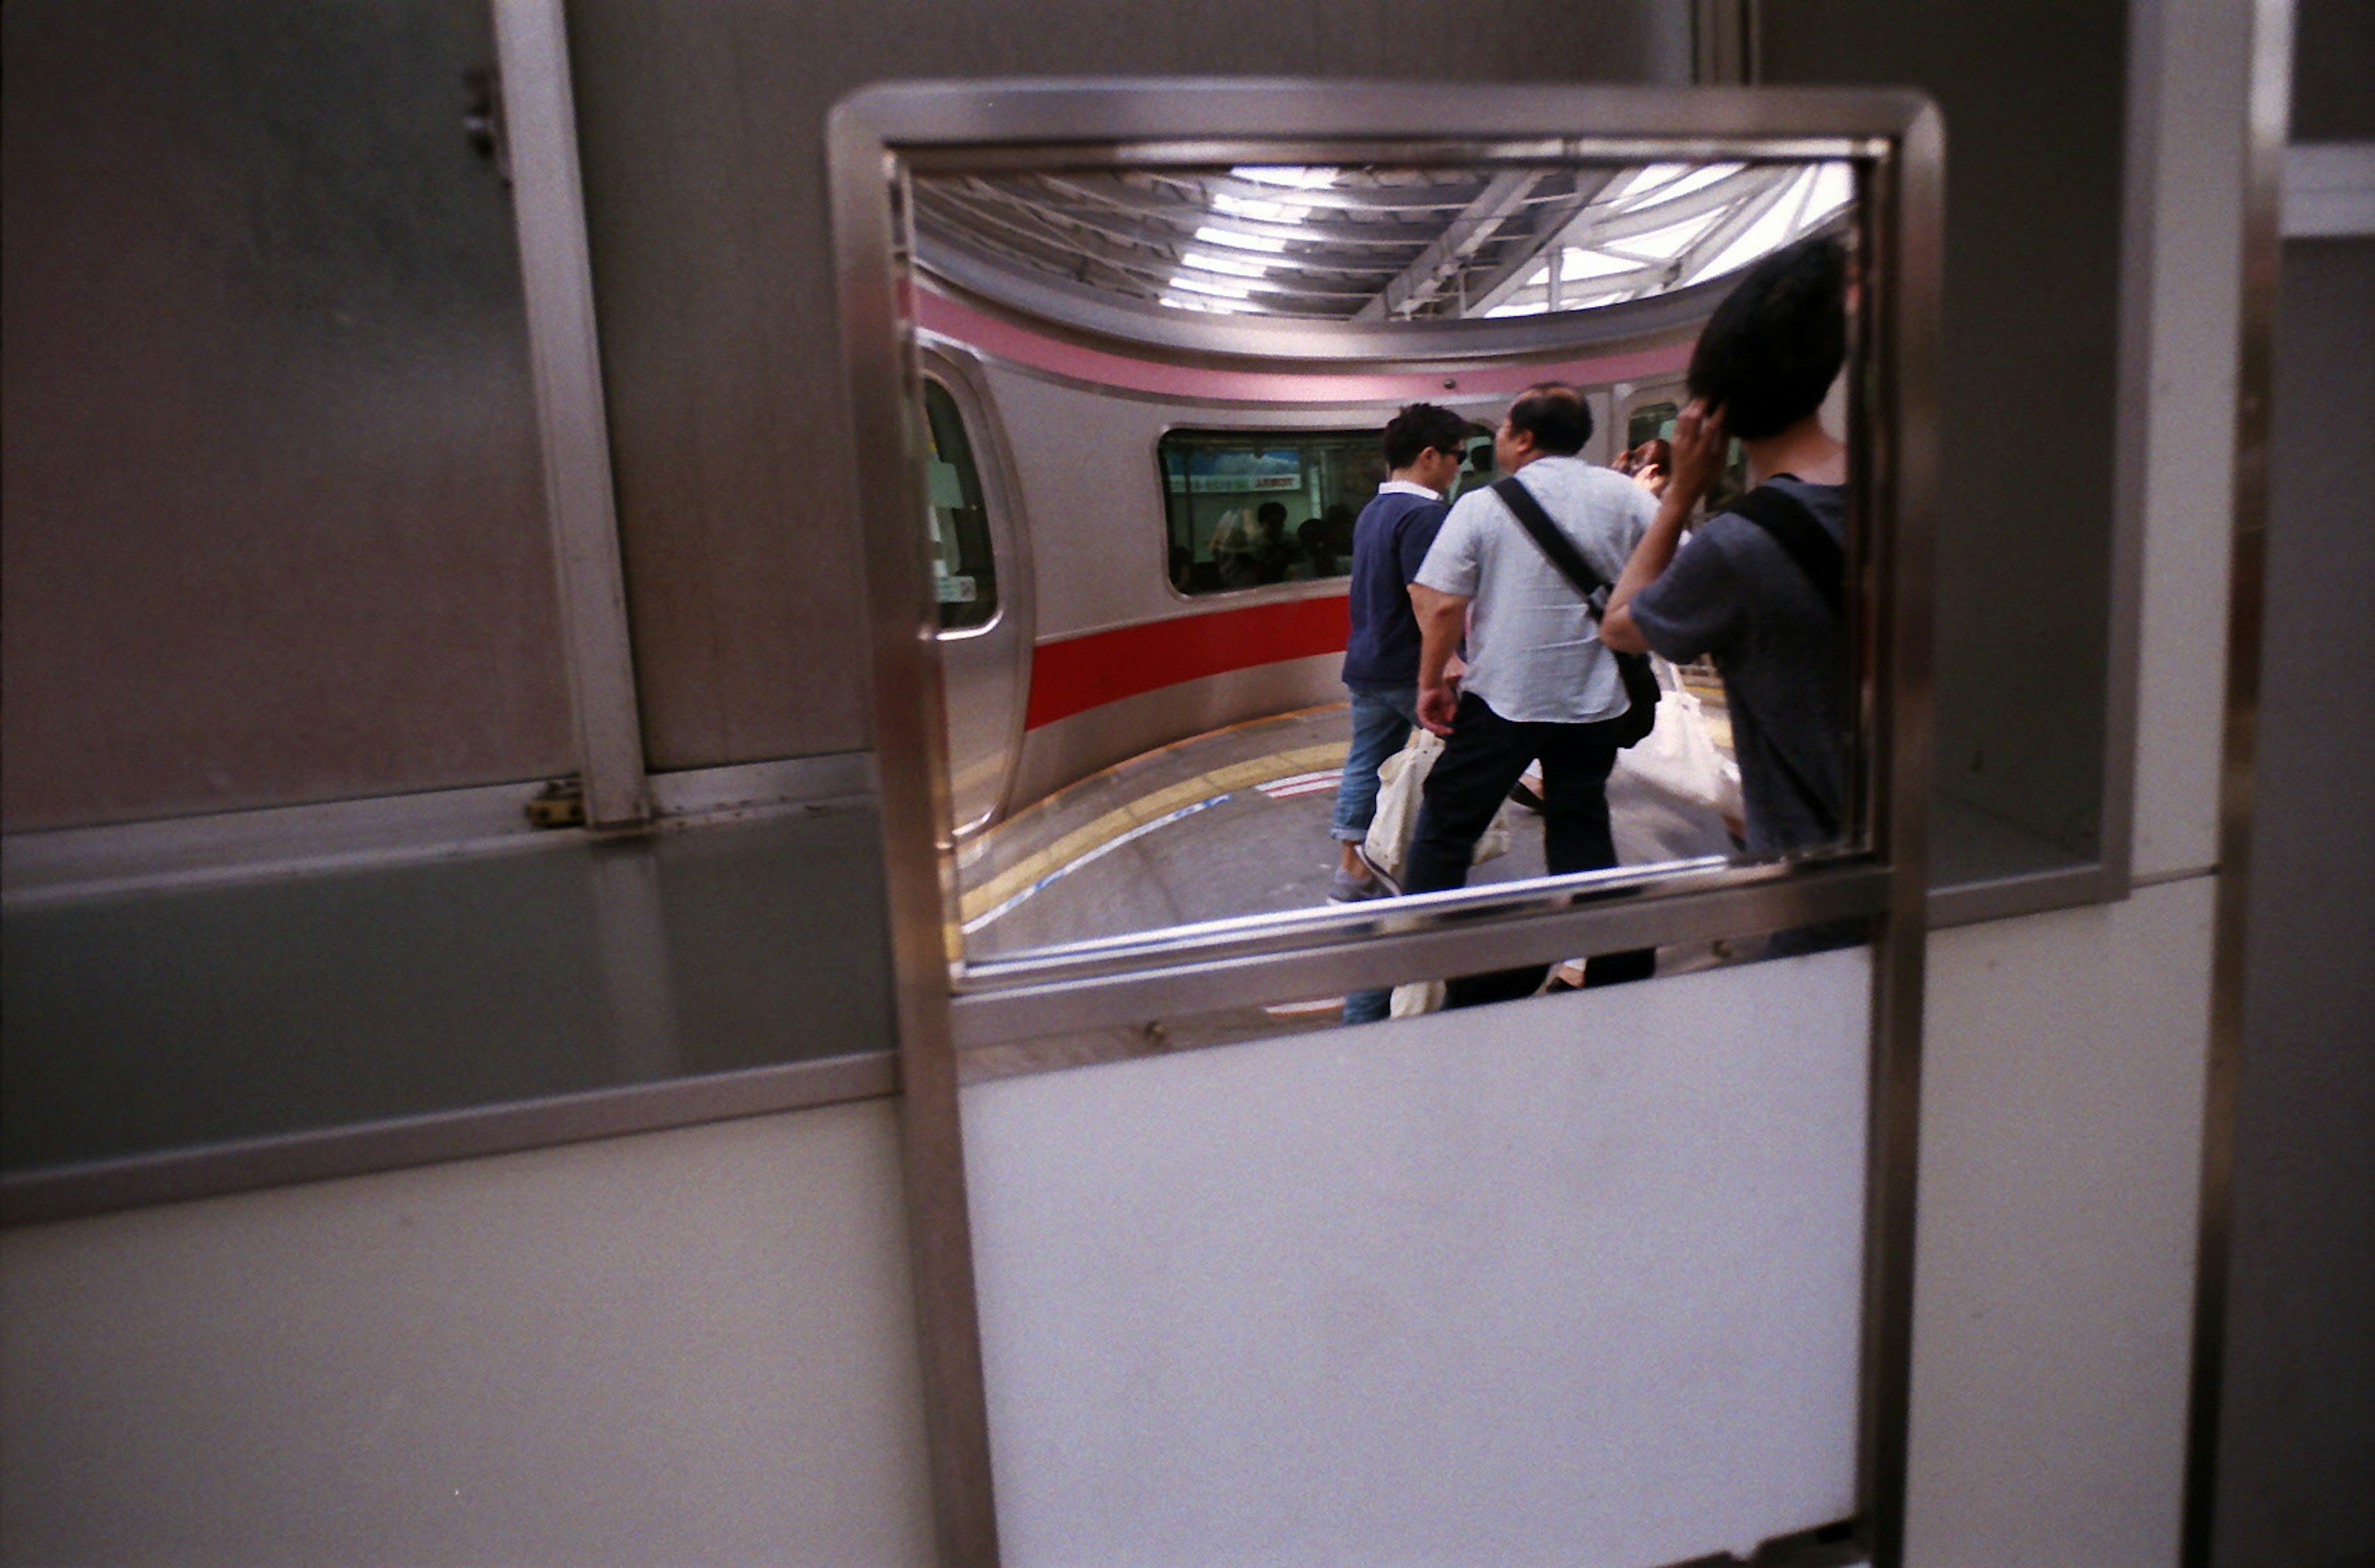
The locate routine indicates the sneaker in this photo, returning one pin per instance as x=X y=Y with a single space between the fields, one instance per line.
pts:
x=1385 y=879
x=1343 y=887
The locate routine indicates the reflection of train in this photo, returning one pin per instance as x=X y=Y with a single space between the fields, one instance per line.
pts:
x=1088 y=506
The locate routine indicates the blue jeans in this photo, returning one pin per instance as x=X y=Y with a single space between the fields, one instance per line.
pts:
x=1382 y=720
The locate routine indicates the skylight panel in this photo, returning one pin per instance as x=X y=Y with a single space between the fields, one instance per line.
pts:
x=1815 y=195
x=1665 y=244
x=1643 y=181
x=1699 y=179
x=1579 y=264
x=1832 y=188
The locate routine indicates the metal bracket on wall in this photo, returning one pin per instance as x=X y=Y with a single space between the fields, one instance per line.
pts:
x=561 y=804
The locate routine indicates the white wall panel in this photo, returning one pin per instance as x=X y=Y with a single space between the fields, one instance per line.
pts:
x=694 y=1347
x=2053 y=1278
x=1572 y=1280
x=2194 y=62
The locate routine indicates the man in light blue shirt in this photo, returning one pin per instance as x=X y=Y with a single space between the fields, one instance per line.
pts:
x=1539 y=684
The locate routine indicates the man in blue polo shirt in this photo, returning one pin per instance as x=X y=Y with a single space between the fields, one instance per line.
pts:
x=1424 y=447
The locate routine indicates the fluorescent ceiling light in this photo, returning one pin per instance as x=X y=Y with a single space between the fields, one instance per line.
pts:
x=1261 y=212
x=1233 y=266
x=1208 y=286
x=1212 y=236
x=1215 y=307
x=1290 y=175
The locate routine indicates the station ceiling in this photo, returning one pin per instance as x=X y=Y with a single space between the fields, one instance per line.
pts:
x=1372 y=244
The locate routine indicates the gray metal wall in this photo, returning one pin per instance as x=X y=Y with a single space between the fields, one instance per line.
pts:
x=2035 y=94
x=274 y=527
x=2298 y=1421
x=2296 y=1435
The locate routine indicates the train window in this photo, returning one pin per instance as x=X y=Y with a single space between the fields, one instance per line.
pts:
x=1655 y=421
x=964 y=569
x=1246 y=508
x=1650 y=422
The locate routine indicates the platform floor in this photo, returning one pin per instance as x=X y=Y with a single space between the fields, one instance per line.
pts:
x=1234 y=824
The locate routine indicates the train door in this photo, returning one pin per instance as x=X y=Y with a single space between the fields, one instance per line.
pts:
x=983 y=589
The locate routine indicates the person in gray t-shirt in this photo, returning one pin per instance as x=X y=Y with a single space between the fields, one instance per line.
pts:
x=1759 y=372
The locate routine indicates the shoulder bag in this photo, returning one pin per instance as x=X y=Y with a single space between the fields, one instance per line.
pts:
x=1640 y=681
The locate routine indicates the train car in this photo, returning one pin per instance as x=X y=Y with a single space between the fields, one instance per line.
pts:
x=1086 y=619
x=1113 y=631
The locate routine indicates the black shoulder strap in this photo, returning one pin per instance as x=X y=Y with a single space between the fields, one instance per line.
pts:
x=1806 y=541
x=1556 y=545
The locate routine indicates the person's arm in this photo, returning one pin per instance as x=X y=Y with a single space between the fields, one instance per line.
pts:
x=1442 y=618
x=1699 y=446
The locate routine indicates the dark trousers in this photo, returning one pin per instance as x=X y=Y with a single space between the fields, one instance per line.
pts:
x=1483 y=758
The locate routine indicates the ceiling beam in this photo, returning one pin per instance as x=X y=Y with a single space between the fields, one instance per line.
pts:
x=1448 y=254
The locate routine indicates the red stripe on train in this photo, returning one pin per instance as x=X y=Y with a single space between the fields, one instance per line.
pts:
x=1071 y=675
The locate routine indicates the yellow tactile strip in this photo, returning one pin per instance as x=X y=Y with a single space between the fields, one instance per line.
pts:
x=1087 y=837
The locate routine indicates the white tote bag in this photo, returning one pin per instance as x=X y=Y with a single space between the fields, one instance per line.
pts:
x=1678 y=757
x=1401 y=782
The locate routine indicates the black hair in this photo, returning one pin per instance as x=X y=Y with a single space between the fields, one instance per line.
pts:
x=1420 y=428
x=1771 y=350
x=1271 y=511
x=1556 y=415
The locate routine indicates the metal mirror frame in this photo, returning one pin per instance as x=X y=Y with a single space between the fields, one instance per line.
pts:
x=946 y=1006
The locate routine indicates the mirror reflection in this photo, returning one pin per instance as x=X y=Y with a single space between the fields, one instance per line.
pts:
x=1287 y=524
